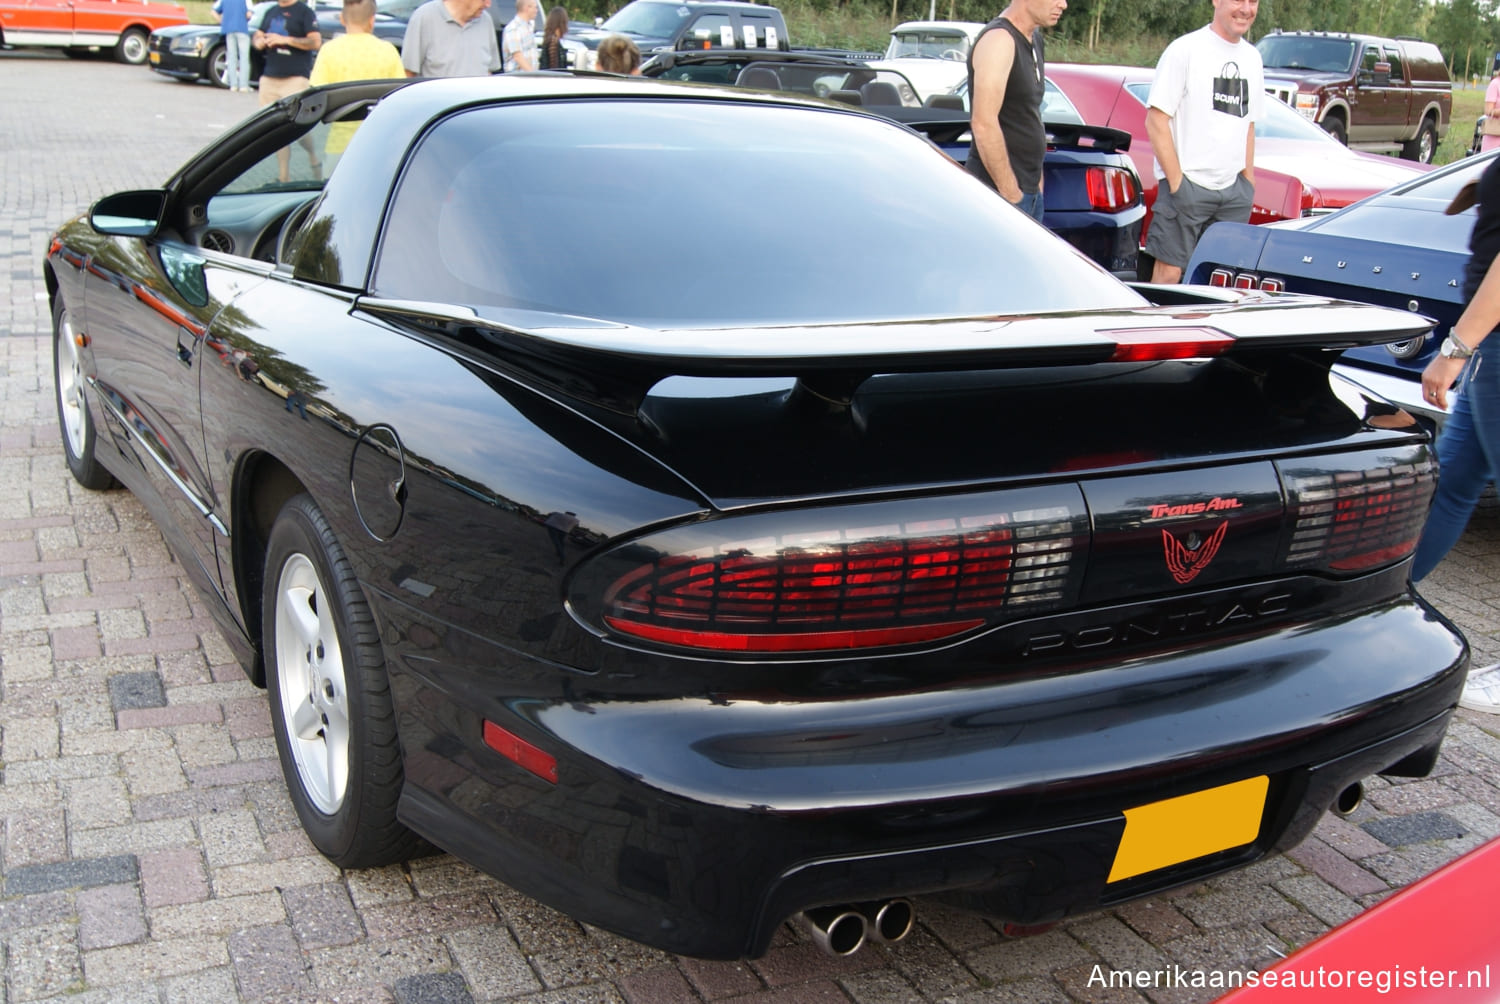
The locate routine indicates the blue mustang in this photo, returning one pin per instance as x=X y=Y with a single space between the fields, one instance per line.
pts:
x=1396 y=249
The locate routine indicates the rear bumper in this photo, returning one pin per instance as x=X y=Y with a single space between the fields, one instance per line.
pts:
x=698 y=825
x=1111 y=239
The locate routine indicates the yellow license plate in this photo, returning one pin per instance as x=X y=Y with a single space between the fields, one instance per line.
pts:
x=1189 y=826
x=156 y=57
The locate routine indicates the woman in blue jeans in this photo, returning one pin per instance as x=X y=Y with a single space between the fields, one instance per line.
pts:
x=1469 y=445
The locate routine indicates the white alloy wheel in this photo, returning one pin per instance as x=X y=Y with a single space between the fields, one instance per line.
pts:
x=71 y=410
x=313 y=692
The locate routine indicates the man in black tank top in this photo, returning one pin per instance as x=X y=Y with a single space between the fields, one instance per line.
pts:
x=1006 y=67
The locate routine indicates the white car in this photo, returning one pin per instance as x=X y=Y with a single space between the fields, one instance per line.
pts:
x=933 y=55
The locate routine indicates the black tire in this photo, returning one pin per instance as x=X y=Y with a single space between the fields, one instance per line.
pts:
x=1424 y=146
x=216 y=66
x=1335 y=127
x=330 y=698
x=133 y=47
x=74 y=420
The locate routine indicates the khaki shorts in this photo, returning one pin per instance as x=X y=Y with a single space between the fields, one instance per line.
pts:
x=275 y=88
x=1179 y=218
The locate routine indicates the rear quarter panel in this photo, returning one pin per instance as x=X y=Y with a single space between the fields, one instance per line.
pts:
x=484 y=461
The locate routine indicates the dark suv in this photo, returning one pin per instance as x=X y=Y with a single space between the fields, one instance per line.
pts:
x=1386 y=95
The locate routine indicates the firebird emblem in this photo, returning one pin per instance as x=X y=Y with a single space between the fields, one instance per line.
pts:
x=1185 y=563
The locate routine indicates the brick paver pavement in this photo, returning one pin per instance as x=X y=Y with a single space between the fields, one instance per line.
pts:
x=149 y=852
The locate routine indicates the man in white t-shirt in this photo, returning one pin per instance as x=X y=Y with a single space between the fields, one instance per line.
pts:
x=1205 y=100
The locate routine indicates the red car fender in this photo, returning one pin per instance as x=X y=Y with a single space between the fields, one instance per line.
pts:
x=1433 y=941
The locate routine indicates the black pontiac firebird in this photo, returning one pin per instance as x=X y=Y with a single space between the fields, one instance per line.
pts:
x=848 y=539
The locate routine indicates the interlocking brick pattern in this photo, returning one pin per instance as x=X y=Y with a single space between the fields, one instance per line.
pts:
x=149 y=852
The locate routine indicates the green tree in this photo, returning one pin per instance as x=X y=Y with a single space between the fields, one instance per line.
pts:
x=1466 y=32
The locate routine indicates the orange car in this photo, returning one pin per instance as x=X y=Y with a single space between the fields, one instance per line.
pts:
x=76 y=25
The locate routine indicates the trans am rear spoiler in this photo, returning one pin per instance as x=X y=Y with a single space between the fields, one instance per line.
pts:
x=616 y=365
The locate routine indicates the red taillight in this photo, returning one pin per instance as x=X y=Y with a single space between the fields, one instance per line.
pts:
x=871 y=586
x=812 y=641
x=1310 y=200
x=1111 y=189
x=520 y=752
x=1224 y=278
x=1136 y=345
x=1352 y=520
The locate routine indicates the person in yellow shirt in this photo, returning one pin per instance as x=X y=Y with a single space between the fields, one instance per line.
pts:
x=356 y=55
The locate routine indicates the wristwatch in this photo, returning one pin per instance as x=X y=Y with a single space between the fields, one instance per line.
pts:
x=1452 y=348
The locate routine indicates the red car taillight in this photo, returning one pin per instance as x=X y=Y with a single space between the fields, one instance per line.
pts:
x=1111 y=189
x=1224 y=278
x=1360 y=517
x=870 y=582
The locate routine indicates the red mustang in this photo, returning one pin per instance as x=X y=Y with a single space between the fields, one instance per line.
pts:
x=74 y=25
x=1299 y=170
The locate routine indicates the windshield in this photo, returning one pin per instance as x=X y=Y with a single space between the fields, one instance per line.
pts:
x=656 y=20
x=1305 y=52
x=928 y=44
x=711 y=214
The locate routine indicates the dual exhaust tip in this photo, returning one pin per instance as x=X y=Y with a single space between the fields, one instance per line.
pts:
x=843 y=930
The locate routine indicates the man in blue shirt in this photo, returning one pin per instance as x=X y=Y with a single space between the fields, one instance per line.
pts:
x=234 y=24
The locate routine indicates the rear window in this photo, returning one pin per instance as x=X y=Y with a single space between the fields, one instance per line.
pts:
x=689 y=213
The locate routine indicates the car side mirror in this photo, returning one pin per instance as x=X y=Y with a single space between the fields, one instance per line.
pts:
x=598 y=22
x=129 y=214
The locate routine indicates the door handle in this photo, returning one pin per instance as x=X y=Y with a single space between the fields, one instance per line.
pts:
x=186 y=342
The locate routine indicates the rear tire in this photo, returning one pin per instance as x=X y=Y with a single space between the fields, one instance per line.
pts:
x=133 y=47
x=1424 y=147
x=1335 y=127
x=330 y=698
x=74 y=419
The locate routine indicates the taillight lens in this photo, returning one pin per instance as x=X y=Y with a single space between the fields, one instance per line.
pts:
x=1225 y=278
x=1358 y=517
x=1310 y=200
x=1111 y=189
x=861 y=577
